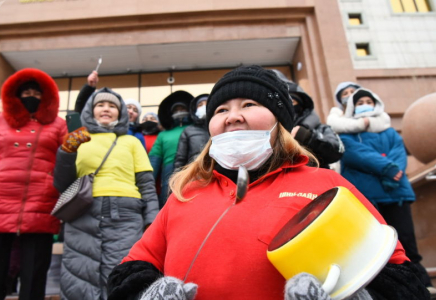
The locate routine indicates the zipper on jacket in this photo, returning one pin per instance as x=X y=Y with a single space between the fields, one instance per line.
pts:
x=26 y=187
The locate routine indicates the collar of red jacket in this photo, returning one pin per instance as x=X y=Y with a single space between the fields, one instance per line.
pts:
x=299 y=161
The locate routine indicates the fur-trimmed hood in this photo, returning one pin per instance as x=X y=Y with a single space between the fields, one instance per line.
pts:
x=87 y=116
x=14 y=112
x=164 y=111
x=342 y=86
x=379 y=107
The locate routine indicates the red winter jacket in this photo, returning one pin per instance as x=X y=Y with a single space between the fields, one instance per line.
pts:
x=233 y=263
x=27 y=156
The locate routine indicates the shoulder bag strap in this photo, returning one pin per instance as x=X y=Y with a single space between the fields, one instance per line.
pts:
x=107 y=154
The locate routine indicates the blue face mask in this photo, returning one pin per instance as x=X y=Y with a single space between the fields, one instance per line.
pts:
x=363 y=108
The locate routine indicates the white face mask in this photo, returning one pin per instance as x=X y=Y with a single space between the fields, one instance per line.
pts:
x=250 y=148
x=201 y=112
x=111 y=125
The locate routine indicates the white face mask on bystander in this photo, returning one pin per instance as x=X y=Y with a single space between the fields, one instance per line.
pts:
x=201 y=112
x=250 y=148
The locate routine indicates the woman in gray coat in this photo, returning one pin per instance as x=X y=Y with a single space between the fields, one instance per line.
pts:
x=125 y=200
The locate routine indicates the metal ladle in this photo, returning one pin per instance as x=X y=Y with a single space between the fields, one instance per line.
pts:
x=241 y=191
x=241 y=184
x=100 y=60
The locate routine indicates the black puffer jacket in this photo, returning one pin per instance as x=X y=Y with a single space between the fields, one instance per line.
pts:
x=319 y=138
x=85 y=92
x=193 y=138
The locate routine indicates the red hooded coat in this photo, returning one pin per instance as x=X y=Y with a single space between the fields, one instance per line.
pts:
x=28 y=148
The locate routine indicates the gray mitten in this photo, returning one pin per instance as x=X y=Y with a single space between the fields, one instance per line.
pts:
x=361 y=294
x=304 y=286
x=170 y=288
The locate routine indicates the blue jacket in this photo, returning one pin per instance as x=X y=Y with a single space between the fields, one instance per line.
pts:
x=370 y=162
x=136 y=132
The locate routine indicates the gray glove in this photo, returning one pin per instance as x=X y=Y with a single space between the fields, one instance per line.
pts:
x=305 y=286
x=170 y=288
x=361 y=294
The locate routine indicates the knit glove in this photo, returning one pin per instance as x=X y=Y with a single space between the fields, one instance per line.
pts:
x=170 y=288
x=304 y=286
x=74 y=139
x=387 y=177
x=389 y=185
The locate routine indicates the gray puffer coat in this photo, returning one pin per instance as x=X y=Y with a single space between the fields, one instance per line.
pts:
x=98 y=240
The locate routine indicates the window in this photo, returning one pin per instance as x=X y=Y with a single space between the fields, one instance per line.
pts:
x=410 y=6
x=355 y=19
x=362 y=49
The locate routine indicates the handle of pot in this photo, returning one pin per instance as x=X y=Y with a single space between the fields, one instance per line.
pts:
x=332 y=278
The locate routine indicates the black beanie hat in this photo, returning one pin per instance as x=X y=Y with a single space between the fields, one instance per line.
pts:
x=362 y=93
x=27 y=86
x=256 y=83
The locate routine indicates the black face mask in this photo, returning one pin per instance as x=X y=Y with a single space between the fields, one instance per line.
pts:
x=149 y=127
x=30 y=103
x=298 y=109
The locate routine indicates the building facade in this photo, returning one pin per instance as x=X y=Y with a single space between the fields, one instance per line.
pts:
x=392 y=45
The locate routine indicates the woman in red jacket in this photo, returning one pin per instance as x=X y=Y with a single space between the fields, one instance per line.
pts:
x=250 y=118
x=30 y=134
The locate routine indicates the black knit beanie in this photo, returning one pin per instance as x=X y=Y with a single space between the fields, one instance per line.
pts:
x=256 y=83
x=362 y=93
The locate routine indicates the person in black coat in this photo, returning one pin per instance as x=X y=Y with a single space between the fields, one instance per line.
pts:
x=320 y=139
x=195 y=136
x=86 y=91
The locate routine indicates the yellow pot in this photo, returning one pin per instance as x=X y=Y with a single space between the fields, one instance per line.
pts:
x=334 y=229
